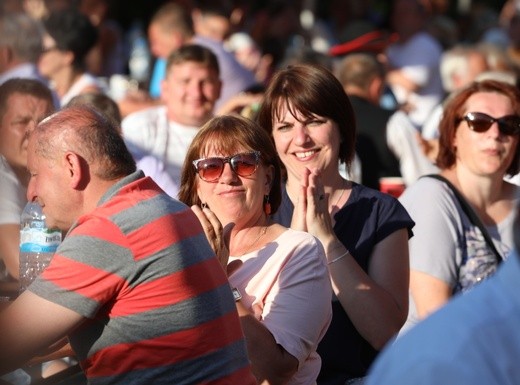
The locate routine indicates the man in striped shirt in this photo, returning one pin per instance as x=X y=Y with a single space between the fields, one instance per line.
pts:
x=134 y=285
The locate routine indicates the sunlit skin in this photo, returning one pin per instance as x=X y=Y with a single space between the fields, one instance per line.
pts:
x=236 y=199
x=162 y=42
x=49 y=185
x=52 y=60
x=307 y=143
x=23 y=112
x=488 y=153
x=309 y=149
x=190 y=91
x=481 y=162
x=236 y=205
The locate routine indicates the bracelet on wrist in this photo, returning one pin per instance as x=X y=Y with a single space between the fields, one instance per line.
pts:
x=338 y=258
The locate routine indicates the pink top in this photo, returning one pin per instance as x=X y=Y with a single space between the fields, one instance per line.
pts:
x=289 y=280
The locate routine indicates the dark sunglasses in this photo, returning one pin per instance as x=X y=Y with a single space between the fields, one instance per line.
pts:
x=243 y=164
x=480 y=122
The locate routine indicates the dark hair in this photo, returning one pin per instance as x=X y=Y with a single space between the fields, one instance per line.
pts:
x=72 y=31
x=222 y=8
x=88 y=133
x=311 y=90
x=193 y=53
x=24 y=86
x=229 y=134
x=455 y=109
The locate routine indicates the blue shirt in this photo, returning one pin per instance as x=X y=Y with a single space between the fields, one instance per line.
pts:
x=474 y=339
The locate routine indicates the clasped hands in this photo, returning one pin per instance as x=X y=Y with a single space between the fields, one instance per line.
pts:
x=311 y=209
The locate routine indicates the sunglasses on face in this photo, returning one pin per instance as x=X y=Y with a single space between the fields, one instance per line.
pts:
x=243 y=164
x=480 y=122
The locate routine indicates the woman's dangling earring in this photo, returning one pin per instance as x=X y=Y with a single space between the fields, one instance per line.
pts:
x=267 y=205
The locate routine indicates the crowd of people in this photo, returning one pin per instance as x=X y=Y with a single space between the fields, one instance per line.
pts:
x=223 y=219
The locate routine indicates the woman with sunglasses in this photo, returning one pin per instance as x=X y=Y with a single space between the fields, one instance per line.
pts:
x=364 y=232
x=478 y=147
x=231 y=179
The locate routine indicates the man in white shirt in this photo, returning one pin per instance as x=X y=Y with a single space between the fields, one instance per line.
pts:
x=23 y=103
x=189 y=92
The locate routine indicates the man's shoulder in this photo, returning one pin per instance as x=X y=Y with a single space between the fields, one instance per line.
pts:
x=147 y=115
x=141 y=124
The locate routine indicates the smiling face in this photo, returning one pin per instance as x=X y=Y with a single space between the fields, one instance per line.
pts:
x=190 y=91
x=306 y=143
x=490 y=152
x=23 y=112
x=236 y=199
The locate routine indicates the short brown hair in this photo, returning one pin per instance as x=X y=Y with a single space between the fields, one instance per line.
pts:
x=230 y=133
x=454 y=110
x=359 y=69
x=24 y=86
x=193 y=53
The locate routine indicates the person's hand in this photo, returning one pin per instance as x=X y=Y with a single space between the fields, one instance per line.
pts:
x=238 y=102
x=318 y=218
x=214 y=233
x=311 y=212
x=299 y=220
x=136 y=100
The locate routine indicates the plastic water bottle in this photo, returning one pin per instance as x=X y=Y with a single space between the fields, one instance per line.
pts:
x=37 y=243
x=139 y=63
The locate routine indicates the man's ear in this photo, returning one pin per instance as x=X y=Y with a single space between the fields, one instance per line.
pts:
x=76 y=168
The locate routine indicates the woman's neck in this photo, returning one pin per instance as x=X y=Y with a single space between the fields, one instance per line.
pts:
x=247 y=238
x=481 y=191
x=64 y=80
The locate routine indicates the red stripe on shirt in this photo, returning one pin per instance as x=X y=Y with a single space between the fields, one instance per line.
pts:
x=100 y=285
x=171 y=289
x=157 y=234
x=171 y=349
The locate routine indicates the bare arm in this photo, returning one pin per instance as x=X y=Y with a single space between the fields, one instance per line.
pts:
x=29 y=326
x=428 y=293
x=377 y=302
x=9 y=245
x=270 y=362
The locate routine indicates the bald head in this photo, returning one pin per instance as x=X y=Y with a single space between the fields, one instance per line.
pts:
x=89 y=134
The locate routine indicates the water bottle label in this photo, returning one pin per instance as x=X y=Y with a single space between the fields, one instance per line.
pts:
x=39 y=240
